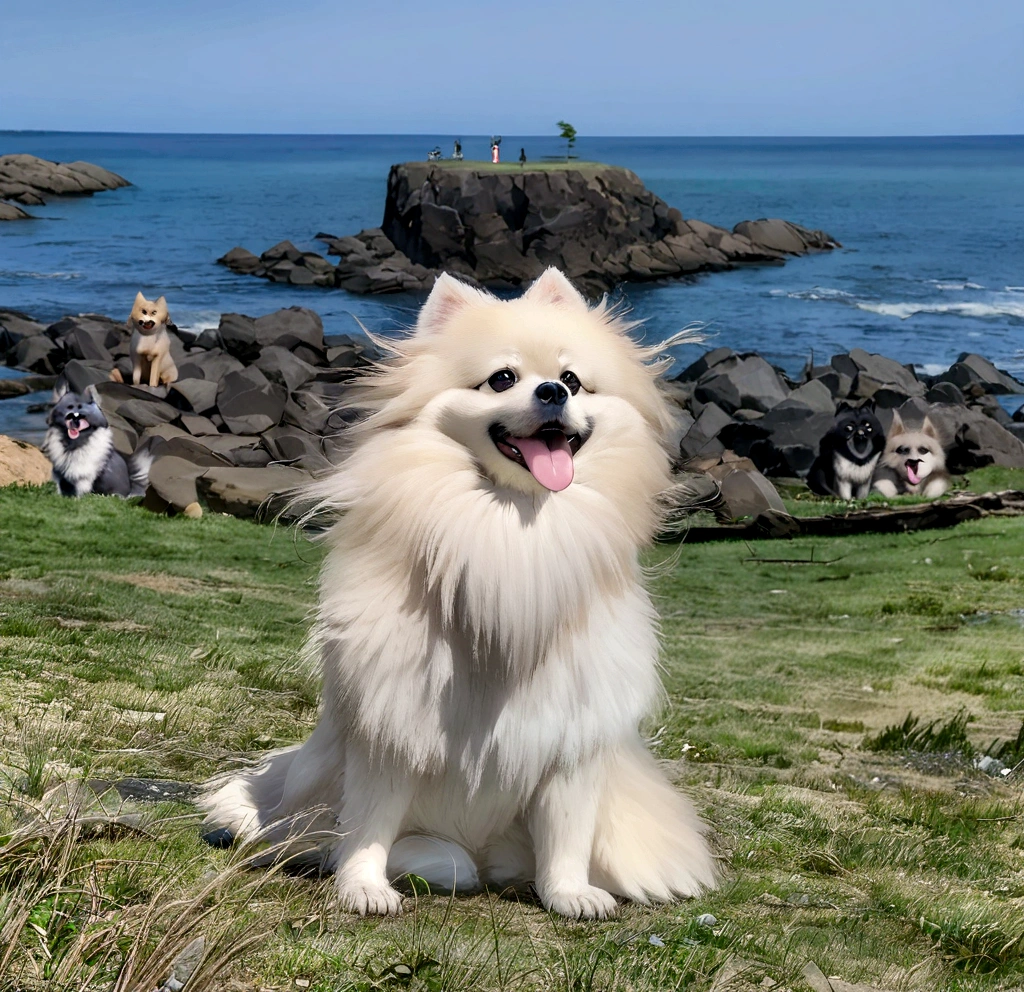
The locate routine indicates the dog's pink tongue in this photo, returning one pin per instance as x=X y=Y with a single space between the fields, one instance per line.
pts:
x=912 y=475
x=73 y=432
x=550 y=465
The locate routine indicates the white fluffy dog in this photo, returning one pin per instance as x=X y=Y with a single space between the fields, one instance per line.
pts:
x=487 y=644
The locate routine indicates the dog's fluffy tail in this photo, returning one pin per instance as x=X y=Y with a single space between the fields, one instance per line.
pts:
x=650 y=845
x=138 y=470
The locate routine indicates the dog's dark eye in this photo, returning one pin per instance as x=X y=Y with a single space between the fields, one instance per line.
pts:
x=571 y=381
x=502 y=380
x=922 y=451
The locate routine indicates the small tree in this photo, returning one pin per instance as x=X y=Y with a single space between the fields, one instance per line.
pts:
x=568 y=134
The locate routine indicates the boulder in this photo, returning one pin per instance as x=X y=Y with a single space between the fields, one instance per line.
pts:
x=747 y=382
x=8 y=211
x=280 y=365
x=241 y=260
x=250 y=492
x=80 y=375
x=972 y=370
x=38 y=354
x=702 y=437
x=193 y=394
x=876 y=372
x=22 y=463
x=293 y=446
x=744 y=491
x=212 y=365
x=289 y=328
x=249 y=403
x=784 y=236
x=706 y=361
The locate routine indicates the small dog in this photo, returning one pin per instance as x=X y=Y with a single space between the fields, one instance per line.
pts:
x=150 y=345
x=487 y=645
x=80 y=445
x=914 y=462
x=847 y=454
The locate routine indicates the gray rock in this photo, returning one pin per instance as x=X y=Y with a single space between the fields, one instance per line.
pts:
x=747 y=382
x=249 y=403
x=193 y=394
x=971 y=370
x=280 y=365
x=80 y=375
x=39 y=354
x=702 y=437
x=213 y=365
x=250 y=492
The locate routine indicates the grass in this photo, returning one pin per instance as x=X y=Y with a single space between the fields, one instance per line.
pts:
x=133 y=645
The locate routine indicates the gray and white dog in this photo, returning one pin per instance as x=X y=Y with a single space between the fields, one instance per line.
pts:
x=80 y=445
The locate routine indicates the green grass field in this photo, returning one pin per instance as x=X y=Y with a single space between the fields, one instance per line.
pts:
x=133 y=645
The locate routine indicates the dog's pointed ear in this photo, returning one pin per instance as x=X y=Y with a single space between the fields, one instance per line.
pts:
x=897 y=422
x=59 y=389
x=91 y=396
x=929 y=428
x=448 y=298
x=139 y=298
x=554 y=287
x=161 y=303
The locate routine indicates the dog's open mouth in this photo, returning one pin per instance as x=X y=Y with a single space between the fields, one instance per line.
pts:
x=913 y=467
x=546 y=455
x=147 y=324
x=75 y=425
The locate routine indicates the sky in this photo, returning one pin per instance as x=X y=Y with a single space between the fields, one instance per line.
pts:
x=647 y=67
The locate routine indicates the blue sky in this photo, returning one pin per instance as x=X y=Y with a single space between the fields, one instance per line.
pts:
x=720 y=67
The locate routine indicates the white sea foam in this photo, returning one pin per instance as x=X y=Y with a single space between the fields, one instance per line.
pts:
x=1013 y=289
x=930 y=368
x=194 y=322
x=1009 y=308
x=7 y=274
x=817 y=293
x=955 y=285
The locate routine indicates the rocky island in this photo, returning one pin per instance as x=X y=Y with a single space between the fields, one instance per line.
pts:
x=501 y=226
x=31 y=181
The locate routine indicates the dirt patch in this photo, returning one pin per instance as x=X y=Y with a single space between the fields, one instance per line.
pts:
x=176 y=585
x=22 y=463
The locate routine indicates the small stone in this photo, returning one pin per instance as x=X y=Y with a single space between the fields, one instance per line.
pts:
x=655 y=940
x=302 y=983
x=706 y=920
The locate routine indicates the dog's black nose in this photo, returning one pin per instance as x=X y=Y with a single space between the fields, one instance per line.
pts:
x=552 y=392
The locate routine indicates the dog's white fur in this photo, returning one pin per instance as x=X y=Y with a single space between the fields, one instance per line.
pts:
x=488 y=647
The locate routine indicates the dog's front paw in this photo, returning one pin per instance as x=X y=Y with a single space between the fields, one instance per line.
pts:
x=587 y=903
x=369 y=899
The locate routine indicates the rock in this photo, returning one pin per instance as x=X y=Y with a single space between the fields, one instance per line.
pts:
x=971 y=370
x=238 y=334
x=15 y=325
x=8 y=211
x=196 y=395
x=13 y=387
x=813 y=395
x=39 y=354
x=875 y=372
x=707 y=361
x=32 y=180
x=212 y=365
x=783 y=236
x=249 y=402
x=745 y=492
x=79 y=375
x=702 y=437
x=241 y=260
x=22 y=463
x=172 y=479
x=279 y=365
x=747 y=382
x=293 y=446
x=250 y=492
x=782 y=443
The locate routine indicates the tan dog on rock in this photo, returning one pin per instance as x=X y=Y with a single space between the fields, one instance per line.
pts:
x=150 y=344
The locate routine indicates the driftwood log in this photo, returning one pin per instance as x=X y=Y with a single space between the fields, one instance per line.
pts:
x=873 y=520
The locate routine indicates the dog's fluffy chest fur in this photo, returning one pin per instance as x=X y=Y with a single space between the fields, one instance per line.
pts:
x=852 y=472
x=80 y=467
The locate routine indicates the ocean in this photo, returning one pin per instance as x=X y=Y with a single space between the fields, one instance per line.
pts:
x=932 y=229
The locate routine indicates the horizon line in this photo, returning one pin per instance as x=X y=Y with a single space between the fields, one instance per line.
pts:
x=553 y=137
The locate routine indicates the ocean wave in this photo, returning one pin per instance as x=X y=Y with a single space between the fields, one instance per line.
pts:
x=816 y=293
x=930 y=368
x=1013 y=289
x=955 y=285
x=194 y=322
x=7 y=274
x=981 y=310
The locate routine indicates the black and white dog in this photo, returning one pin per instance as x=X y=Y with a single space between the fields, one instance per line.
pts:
x=847 y=454
x=80 y=444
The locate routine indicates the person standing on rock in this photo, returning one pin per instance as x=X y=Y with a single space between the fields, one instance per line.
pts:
x=522 y=157
x=495 y=150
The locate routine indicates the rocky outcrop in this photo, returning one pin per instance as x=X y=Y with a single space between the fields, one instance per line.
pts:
x=253 y=413
x=22 y=463
x=502 y=227
x=32 y=181
x=739 y=405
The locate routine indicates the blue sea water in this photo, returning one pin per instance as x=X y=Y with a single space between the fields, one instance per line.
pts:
x=932 y=229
